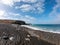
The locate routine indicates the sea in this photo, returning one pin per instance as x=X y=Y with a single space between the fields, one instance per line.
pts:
x=48 y=27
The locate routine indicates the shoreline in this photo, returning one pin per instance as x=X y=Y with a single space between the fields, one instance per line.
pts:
x=33 y=36
x=12 y=34
x=51 y=37
x=39 y=29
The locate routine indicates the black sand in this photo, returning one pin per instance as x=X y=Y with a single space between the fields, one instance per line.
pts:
x=20 y=36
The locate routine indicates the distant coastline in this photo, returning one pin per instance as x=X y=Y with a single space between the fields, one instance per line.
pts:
x=23 y=23
x=20 y=22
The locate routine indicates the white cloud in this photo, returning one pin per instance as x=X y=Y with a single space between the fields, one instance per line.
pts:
x=36 y=7
x=8 y=2
x=39 y=6
x=55 y=14
x=26 y=7
x=55 y=8
x=11 y=2
x=58 y=1
x=17 y=0
x=16 y=16
x=30 y=1
x=29 y=19
x=2 y=13
x=8 y=15
x=26 y=18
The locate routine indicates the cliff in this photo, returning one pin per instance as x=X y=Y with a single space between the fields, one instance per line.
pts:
x=13 y=22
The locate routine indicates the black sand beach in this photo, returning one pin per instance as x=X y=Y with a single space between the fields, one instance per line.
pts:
x=13 y=34
x=51 y=37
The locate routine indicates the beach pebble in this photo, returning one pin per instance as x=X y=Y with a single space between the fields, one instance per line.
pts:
x=27 y=39
x=5 y=37
x=11 y=38
x=28 y=35
x=4 y=33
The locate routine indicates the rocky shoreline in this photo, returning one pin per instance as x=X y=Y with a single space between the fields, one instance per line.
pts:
x=14 y=34
x=53 y=38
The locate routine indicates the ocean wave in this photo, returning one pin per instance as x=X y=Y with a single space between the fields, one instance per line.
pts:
x=41 y=29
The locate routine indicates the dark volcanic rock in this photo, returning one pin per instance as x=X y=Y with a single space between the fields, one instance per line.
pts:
x=9 y=35
x=19 y=22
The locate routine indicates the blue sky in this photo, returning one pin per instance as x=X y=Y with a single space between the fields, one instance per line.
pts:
x=31 y=11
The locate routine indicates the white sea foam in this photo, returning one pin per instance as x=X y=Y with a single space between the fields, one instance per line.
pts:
x=35 y=28
x=30 y=27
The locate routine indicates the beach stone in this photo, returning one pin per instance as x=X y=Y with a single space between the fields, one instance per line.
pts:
x=11 y=38
x=28 y=35
x=5 y=37
x=15 y=35
x=8 y=35
x=27 y=39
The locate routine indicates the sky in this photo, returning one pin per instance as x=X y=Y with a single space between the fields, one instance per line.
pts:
x=31 y=11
